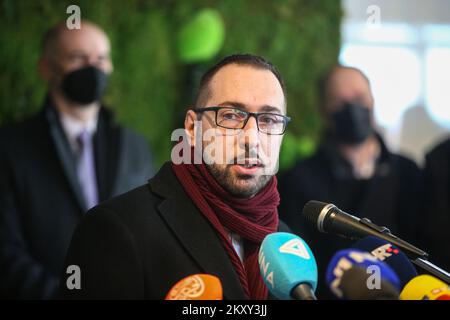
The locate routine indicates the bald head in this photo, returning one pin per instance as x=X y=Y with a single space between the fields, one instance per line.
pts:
x=60 y=38
x=347 y=105
x=344 y=84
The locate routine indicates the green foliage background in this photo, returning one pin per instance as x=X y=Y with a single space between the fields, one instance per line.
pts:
x=149 y=83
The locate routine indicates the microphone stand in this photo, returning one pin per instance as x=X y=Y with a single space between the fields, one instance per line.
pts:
x=416 y=255
x=432 y=269
x=358 y=228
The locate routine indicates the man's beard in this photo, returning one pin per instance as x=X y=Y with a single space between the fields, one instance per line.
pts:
x=242 y=186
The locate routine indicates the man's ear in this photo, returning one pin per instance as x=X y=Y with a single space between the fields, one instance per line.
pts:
x=44 y=69
x=189 y=126
x=110 y=67
x=325 y=116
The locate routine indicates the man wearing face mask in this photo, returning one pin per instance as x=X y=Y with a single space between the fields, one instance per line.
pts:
x=352 y=169
x=61 y=162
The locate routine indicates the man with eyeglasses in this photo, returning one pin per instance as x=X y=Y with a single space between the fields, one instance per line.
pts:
x=206 y=211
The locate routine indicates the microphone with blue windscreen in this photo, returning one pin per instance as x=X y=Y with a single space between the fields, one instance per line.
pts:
x=389 y=254
x=343 y=261
x=288 y=267
x=352 y=289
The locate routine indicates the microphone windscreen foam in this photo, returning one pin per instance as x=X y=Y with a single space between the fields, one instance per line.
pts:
x=312 y=209
x=389 y=254
x=344 y=260
x=356 y=285
x=285 y=261
x=425 y=287
x=196 y=287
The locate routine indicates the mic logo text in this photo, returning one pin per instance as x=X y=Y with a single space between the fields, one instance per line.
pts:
x=193 y=287
x=295 y=247
x=268 y=276
x=385 y=251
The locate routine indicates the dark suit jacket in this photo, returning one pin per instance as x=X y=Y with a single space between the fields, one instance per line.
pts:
x=41 y=200
x=138 y=245
x=435 y=219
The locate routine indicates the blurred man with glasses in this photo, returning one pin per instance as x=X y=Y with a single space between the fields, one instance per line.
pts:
x=207 y=216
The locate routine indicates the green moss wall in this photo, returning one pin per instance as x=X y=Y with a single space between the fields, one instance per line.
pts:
x=150 y=86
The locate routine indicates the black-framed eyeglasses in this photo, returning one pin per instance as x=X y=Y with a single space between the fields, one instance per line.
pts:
x=235 y=118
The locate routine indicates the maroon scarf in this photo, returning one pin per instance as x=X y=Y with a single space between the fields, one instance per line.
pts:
x=252 y=219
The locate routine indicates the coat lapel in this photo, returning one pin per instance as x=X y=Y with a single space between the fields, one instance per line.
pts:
x=108 y=153
x=195 y=232
x=65 y=154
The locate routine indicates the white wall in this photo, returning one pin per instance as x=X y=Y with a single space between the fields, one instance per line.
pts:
x=394 y=56
x=408 y=11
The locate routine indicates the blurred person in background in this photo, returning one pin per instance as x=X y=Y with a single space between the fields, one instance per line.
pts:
x=435 y=219
x=352 y=169
x=61 y=162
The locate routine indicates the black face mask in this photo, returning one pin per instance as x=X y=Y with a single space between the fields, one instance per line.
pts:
x=352 y=124
x=85 y=85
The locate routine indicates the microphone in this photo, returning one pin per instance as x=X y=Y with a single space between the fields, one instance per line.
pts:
x=196 y=287
x=288 y=267
x=425 y=287
x=389 y=254
x=353 y=290
x=329 y=219
x=345 y=260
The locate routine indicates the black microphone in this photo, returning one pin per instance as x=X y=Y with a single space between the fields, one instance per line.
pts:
x=329 y=219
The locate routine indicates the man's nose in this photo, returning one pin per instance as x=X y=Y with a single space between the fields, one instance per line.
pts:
x=251 y=134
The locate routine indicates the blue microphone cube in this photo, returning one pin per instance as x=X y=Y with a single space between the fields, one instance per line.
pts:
x=285 y=261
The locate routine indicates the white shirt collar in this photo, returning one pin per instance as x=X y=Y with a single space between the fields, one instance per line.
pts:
x=237 y=243
x=73 y=128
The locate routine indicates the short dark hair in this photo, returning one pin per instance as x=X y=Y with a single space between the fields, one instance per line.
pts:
x=239 y=59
